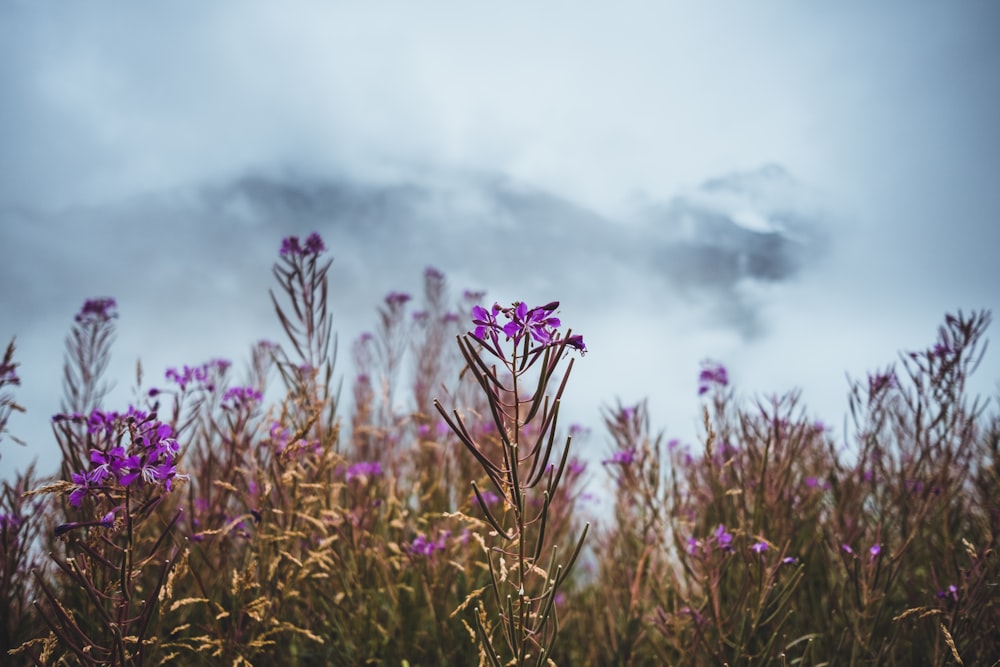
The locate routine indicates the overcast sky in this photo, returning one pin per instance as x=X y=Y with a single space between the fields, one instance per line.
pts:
x=794 y=190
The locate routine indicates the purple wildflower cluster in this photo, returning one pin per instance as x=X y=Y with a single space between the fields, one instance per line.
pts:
x=96 y=311
x=241 y=398
x=198 y=375
x=423 y=546
x=312 y=246
x=148 y=461
x=538 y=323
x=721 y=539
x=622 y=457
x=712 y=375
x=397 y=299
x=873 y=551
x=363 y=470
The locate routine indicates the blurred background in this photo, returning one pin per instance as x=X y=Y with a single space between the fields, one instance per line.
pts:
x=797 y=192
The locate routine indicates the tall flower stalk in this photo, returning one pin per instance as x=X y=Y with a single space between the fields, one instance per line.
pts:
x=521 y=472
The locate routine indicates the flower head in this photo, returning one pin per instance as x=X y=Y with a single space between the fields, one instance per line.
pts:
x=723 y=539
x=622 y=457
x=96 y=311
x=712 y=374
x=363 y=469
x=290 y=246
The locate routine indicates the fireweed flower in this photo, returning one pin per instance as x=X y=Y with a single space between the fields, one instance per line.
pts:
x=723 y=539
x=624 y=457
x=489 y=497
x=239 y=398
x=148 y=461
x=198 y=375
x=422 y=546
x=312 y=247
x=712 y=374
x=396 y=299
x=363 y=469
x=96 y=311
x=314 y=244
x=538 y=323
x=486 y=323
x=950 y=592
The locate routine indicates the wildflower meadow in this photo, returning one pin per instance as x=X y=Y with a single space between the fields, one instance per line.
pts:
x=443 y=514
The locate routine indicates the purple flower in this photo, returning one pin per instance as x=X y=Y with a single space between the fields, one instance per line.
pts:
x=79 y=492
x=712 y=374
x=576 y=342
x=363 y=469
x=874 y=551
x=290 y=246
x=537 y=322
x=846 y=548
x=96 y=310
x=239 y=398
x=314 y=244
x=486 y=323
x=759 y=547
x=489 y=497
x=422 y=546
x=723 y=539
x=623 y=457
x=396 y=299
x=108 y=520
x=950 y=592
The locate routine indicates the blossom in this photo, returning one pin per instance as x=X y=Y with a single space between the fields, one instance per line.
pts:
x=950 y=592
x=81 y=488
x=363 y=469
x=759 y=547
x=537 y=322
x=314 y=244
x=486 y=323
x=711 y=374
x=575 y=341
x=237 y=398
x=622 y=457
x=874 y=551
x=723 y=539
x=96 y=311
x=396 y=299
x=423 y=546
